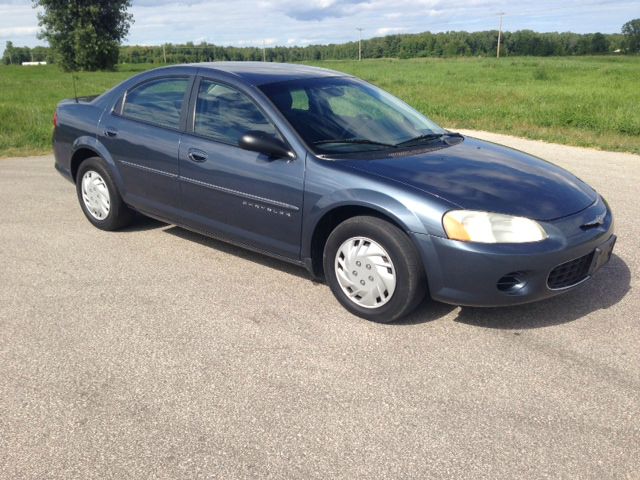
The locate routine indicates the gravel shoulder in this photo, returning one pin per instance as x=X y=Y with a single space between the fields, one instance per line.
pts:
x=158 y=353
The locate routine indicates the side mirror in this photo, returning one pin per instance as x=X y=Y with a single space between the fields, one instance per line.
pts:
x=262 y=142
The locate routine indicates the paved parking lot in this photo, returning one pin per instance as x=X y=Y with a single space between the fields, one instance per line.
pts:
x=158 y=353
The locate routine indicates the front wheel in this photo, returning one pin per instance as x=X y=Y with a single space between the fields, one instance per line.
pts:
x=373 y=269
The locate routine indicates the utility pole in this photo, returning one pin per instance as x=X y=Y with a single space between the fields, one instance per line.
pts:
x=164 y=53
x=499 y=35
x=360 y=43
x=264 y=50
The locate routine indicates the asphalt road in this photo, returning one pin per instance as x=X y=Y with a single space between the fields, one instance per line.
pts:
x=159 y=353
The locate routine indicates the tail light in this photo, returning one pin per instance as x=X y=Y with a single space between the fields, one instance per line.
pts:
x=55 y=119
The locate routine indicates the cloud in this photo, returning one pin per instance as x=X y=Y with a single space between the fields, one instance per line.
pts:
x=389 y=30
x=18 y=22
x=17 y=31
x=296 y=22
x=320 y=9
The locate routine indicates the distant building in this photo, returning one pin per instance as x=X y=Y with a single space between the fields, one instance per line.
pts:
x=28 y=64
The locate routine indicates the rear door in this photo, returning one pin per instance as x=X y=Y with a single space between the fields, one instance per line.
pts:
x=243 y=195
x=142 y=134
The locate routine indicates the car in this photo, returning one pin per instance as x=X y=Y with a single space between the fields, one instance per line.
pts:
x=329 y=172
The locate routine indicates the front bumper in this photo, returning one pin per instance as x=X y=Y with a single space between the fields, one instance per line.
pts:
x=472 y=274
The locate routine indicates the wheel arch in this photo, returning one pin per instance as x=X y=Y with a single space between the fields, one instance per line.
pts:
x=87 y=147
x=331 y=218
x=79 y=156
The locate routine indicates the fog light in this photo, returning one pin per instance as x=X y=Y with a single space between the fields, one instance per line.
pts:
x=512 y=282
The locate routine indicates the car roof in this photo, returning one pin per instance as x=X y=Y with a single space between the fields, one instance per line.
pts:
x=261 y=73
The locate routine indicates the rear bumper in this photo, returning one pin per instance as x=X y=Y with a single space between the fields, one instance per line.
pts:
x=61 y=152
x=64 y=172
x=468 y=274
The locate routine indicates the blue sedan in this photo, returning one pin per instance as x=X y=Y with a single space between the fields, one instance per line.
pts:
x=327 y=171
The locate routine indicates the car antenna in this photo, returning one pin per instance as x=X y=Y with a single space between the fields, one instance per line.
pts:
x=75 y=89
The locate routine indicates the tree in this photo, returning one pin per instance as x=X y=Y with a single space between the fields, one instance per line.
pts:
x=7 y=57
x=16 y=55
x=631 y=31
x=85 y=34
x=599 y=43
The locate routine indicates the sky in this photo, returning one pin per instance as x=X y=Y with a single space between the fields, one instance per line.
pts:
x=304 y=22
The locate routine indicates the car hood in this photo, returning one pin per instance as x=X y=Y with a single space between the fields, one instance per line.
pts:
x=479 y=175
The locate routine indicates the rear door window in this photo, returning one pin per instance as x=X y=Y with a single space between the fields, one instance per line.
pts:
x=158 y=102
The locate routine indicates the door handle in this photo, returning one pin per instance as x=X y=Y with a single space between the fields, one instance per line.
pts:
x=197 y=156
x=110 y=132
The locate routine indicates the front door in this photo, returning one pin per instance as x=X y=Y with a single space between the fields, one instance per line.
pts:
x=244 y=196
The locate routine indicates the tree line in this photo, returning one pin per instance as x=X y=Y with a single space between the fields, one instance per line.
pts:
x=427 y=44
x=17 y=55
x=523 y=42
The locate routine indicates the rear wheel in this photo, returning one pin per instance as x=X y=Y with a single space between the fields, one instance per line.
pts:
x=99 y=198
x=373 y=269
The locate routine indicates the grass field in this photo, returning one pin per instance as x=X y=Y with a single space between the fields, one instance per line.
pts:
x=587 y=101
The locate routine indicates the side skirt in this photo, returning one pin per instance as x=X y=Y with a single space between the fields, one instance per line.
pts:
x=306 y=263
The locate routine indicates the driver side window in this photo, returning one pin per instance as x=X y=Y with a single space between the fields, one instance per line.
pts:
x=225 y=114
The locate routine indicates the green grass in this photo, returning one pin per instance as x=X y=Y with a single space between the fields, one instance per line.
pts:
x=586 y=101
x=28 y=97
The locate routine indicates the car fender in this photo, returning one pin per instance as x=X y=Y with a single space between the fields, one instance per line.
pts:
x=92 y=143
x=383 y=203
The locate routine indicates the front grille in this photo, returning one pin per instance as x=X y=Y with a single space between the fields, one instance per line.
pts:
x=570 y=273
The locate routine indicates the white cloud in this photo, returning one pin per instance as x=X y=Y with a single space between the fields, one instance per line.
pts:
x=389 y=30
x=294 y=22
x=17 y=31
x=18 y=22
x=435 y=13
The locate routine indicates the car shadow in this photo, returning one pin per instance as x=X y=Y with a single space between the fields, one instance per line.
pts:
x=427 y=311
x=239 y=252
x=607 y=288
x=143 y=223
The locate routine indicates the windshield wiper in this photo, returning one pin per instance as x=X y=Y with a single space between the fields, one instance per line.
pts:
x=420 y=138
x=357 y=141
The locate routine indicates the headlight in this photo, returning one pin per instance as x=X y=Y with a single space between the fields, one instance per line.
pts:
x=486 y=227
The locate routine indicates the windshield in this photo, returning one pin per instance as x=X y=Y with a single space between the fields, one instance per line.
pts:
x=346 y=115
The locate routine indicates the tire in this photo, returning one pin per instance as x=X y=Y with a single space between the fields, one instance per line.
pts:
x=373 y=269
x=99 y=198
